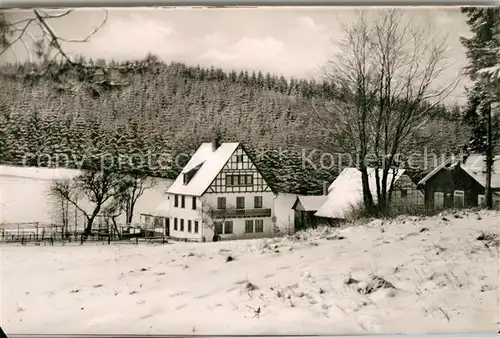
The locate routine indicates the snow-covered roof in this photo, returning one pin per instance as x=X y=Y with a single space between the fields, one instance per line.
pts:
x=286 y=200
x=210 y=162
x=38 y=173
x=475 y=166
x=449 y=161
x=346 y=192
x=311 y=203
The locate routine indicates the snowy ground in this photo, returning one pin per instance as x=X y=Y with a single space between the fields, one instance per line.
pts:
x=444 y=278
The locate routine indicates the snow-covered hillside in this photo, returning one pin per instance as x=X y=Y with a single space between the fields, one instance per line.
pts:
x=410 y=275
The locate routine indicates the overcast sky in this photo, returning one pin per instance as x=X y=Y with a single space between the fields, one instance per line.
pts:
x=290 y=41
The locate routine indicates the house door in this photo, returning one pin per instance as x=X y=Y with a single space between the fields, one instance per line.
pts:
x=438 y=200
x=297 y=221
x=459 y=199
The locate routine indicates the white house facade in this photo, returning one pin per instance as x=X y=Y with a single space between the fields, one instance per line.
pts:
x=220 y=191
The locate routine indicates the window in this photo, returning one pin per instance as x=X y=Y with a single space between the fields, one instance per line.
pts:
x=194 y=203
x=249 y=226
x=183 y=201
x=228 y=227
x=438 y=199
x=176 y=201
x=259 y=225
x=481 y=200
x=257 y=202
x=239 y=180
x=189 y=226
x=218 y=228
x=240 y=202
x=195 y=227
x=459 y=198
x=239 y=158
x=404 y=193
x=175 y=224
x=182 y=224
x=221 y=203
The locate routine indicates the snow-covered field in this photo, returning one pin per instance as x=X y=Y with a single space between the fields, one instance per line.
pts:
x=24 y=194
x=444 y=279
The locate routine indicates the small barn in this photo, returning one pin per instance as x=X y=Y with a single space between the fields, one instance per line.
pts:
x=345 y=194
x=304 y=209
x=460 y=183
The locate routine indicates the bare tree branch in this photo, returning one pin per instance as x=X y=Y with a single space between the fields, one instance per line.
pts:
x=19 y=37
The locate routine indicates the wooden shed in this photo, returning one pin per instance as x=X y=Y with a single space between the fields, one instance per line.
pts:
x=304 y=208
x=460 y=183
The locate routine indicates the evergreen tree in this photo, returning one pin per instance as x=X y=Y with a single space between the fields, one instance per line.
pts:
x=484 y=96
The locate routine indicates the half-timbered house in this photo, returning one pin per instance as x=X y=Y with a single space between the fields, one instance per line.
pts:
x=220 y=193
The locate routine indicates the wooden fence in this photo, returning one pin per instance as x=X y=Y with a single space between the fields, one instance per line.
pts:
x=50 y=233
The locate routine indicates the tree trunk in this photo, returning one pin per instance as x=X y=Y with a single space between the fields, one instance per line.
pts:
x=383 y=202
x=115 y=226
x=367 y=196
x=489 y=162
x=130 y=214
x=88 y=227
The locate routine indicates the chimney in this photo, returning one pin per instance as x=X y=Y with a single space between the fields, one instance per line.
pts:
x=325 y=188
x=215 y=143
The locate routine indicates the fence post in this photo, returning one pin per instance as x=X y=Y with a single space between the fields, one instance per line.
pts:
x=18 y=231
x=36 y=227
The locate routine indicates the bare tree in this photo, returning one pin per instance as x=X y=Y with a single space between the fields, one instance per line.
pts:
x=61 y=212
x=111 y=212
x=214 y=217
x=388 y=70
x=130 y=189
x=98 y=187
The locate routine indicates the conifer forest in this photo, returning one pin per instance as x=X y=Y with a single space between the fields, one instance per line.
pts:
x=165 y=110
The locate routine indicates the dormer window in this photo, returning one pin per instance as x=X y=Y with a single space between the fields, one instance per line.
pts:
x=187 y=176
